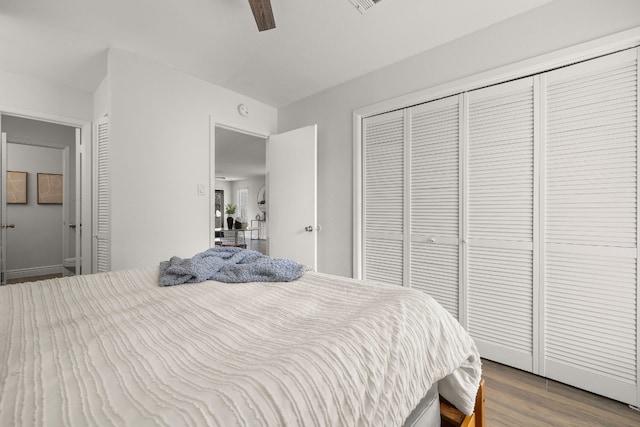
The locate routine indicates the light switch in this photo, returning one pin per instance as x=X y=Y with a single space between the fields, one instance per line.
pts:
x=201 y=190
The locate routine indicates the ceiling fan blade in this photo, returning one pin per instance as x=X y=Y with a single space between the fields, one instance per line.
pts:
x=263 y=14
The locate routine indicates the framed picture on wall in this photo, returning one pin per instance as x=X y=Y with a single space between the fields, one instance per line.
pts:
x=17 y=187
x=49 y=189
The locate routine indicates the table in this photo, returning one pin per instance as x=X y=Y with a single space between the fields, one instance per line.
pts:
x=259 y=228
x=225 y=237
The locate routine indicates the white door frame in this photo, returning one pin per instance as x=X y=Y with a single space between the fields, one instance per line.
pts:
x=85 y=169
x=213 y=124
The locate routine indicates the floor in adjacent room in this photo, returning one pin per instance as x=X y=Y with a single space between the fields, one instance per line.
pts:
x=259 y=245
x=33 y=278
x=518 y=398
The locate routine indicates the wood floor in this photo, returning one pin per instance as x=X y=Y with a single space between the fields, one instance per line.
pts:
x=517 y=398
x=33 y=278
x=259 y=245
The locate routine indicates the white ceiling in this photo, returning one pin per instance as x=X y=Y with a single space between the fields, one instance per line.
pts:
x=239 y=156
x=317 y=43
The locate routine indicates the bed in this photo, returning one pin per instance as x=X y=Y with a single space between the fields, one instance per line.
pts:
x=117 y=349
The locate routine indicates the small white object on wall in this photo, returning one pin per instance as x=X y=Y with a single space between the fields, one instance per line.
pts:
x=243 y=110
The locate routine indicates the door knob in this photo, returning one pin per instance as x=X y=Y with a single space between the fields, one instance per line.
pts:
x=309 y=228
x=9 y=226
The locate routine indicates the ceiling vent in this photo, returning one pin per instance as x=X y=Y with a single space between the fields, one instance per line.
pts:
x=364 y=5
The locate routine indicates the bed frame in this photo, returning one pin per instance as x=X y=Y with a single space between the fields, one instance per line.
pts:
x=451 y=417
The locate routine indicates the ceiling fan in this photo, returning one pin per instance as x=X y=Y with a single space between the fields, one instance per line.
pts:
x=263 y=14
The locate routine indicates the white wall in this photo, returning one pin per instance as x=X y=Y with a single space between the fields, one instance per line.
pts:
x=160 y=153
x=26 y=94
x=559 y=24
x=102 y=99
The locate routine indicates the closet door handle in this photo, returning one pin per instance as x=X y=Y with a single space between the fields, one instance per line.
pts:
x=9 y=226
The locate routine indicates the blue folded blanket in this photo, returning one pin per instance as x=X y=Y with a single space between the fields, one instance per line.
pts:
x=230 y=265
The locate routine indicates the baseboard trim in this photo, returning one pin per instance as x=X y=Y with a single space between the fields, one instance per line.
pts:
x=34 y=271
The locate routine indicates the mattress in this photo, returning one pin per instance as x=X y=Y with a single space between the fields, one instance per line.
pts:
x=117 y=349
x=427 y=413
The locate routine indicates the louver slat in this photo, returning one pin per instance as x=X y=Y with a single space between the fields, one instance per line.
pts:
x=383 y=171
x=500 y=203
x=591 y=204
x=435 y=199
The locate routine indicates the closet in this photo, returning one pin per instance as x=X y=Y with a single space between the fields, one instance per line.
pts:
x=515 y=206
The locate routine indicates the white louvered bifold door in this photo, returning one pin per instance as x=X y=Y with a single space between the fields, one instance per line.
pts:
x=435 y=199
x=102 y=197
x=384 y=201
x=500 y=221
x=590 y=225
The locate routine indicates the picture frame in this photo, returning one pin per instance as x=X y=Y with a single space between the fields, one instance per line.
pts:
x=16 y=187
x=49 y=189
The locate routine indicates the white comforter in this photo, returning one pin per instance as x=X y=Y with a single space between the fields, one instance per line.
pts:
x=117 y=349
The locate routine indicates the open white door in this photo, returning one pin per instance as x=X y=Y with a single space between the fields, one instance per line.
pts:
x=66 y=199
x=3 y=210
x=71 y=224
x=77 y=225
x=292 y=195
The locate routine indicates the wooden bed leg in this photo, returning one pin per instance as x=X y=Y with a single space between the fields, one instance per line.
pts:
x=479 y=407
x=450 y=416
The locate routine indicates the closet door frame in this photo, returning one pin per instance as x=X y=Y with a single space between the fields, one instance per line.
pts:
x=538 y=244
